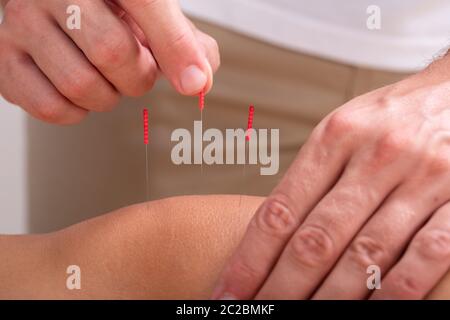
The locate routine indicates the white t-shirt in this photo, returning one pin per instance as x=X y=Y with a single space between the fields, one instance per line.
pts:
x=411 y=33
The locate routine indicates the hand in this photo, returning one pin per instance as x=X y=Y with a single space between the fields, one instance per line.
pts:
x=370 y=187
x=59 y=75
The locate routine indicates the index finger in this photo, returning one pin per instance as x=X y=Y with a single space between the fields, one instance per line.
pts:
x=173 y=43
x=314 y=171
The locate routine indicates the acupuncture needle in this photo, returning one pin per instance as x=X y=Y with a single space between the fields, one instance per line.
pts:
x=147 y=183
x=201 y=106
x=251 y=112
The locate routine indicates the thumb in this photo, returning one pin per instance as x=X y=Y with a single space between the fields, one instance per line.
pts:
x=179 y=54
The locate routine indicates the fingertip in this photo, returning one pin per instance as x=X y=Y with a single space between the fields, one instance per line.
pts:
x=192 y=80
x=195 y=79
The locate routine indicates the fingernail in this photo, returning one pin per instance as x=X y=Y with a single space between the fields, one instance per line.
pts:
x=193 y=80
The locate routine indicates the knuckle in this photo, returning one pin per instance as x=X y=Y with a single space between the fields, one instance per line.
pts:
x=394 y=142
x=319 y=134
x=338 y=124
x=389 y=147
x=405 y=286
x=276 y=218
x=311 y=246
x=149 y=81
x=433 y=244
x=49 y=112
x=76 y=86
x=385 y=101
x=139 y=91
x=112 y=50
x=366 y=251
x=144 y=85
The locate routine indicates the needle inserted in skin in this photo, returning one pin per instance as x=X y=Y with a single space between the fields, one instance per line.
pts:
x=201 y=106
x=251 y=112
x=145 y=119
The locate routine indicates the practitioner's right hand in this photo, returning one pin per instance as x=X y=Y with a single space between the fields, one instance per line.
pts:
x=59 y=74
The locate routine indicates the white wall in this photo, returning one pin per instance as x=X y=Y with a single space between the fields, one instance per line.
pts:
x=13 y=211
x=13 y=171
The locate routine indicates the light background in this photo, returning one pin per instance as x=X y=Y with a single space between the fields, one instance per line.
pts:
x=13 y=191
x=13 y=204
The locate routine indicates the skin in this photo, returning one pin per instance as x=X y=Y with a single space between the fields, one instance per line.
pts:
x=172 y=248
x=372 y=181
x=59 y=75
x=167 y=249
x=374 y=174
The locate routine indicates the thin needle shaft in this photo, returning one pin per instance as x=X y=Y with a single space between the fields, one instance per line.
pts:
x=243 y=184
x=147 y=184
x=251 y=111
x=201 y=163
x=147 y=181
x=201 y=105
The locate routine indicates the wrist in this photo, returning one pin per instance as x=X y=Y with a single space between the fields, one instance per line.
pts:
x=433 y=81
x=426 y=89
x=438 y=71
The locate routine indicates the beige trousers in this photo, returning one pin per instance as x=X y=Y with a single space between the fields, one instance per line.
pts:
x=83 y=171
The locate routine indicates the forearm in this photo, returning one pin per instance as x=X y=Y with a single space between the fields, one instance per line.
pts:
x=25 y=266
x=173 y=248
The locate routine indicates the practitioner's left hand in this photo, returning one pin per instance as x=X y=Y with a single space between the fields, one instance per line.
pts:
x=371 y=186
